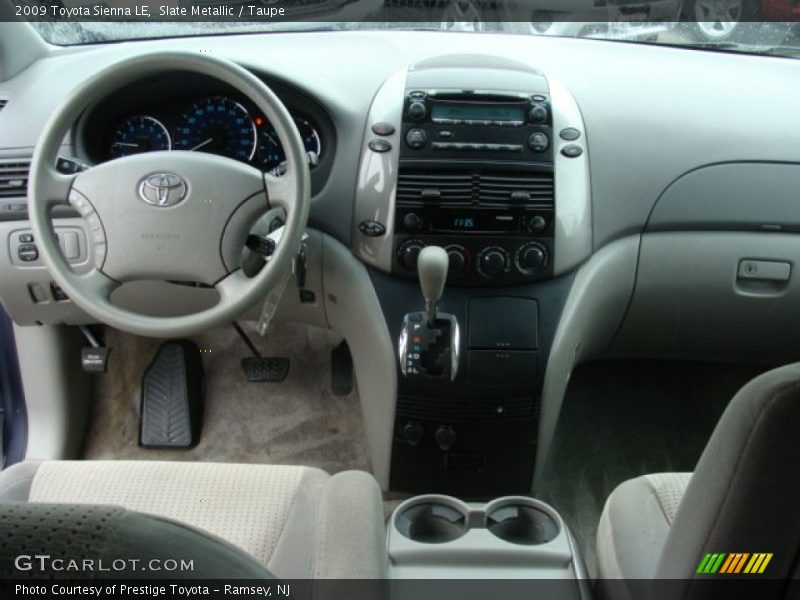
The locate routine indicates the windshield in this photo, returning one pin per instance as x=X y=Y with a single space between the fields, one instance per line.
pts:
x=709 y=24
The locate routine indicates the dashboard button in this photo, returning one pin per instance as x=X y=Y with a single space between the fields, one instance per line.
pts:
x=538 y=141
x=538 y=114
x=569 y=134
x=417 y=110
x=537 y=224
x=572 y=151
x=383 y=129
x=412 y=221
x=416 y=138
x=371 y=228
x=28 y=253
x=26 y=238
x=379 y=145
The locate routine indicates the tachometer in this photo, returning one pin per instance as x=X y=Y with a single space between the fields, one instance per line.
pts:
x=139 y=133
x=270 y=152
x=218 y=125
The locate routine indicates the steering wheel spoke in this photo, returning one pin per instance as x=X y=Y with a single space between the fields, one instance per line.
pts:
x=281 y=192
x=232 y=285
x=96 y=284
x=53 y=187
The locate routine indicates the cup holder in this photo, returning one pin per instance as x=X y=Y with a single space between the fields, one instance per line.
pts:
x=522 y=524
x=432 y=523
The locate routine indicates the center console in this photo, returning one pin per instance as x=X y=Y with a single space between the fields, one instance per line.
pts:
x=436 y=537
x=482 y=161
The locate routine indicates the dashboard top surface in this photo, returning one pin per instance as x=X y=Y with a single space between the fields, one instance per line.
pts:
x=651 y=113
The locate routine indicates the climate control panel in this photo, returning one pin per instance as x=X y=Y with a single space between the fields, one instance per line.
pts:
x=480 y=260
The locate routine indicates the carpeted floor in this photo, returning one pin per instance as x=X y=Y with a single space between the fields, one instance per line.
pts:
x=622 y=419
x=298 y=421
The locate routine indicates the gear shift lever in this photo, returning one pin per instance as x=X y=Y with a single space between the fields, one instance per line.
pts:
x=430 y=341
x=432 y=266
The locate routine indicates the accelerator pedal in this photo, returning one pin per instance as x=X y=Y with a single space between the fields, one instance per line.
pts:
x=172 y=397
x=341 y=370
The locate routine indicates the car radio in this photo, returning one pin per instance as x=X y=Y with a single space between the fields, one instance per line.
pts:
x=442 y=124
x=476 y=177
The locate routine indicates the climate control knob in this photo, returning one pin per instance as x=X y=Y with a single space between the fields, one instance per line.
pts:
x=532 y=257
x=492 y=261
x=458 y=260
x=408 y=253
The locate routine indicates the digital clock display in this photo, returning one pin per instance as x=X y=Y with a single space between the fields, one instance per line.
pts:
x=477 y=112
x=464 y=223
x=483 y=221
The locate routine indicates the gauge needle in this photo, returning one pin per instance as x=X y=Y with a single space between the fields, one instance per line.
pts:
x=201 y=144
x=128 y=144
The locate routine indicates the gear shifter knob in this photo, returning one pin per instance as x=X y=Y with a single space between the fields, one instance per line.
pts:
x=432 y=266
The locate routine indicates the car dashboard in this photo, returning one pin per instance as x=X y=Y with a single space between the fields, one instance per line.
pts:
x=599 y=199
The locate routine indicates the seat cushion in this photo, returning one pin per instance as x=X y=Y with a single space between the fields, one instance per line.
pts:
x=298 y=522
x=634 y=525
x=128 y=545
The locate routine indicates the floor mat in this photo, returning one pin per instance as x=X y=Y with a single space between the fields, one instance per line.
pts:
x=298 y=421
x=622 y=419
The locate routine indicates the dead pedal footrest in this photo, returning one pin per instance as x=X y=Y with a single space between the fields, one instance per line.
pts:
x=172 y=397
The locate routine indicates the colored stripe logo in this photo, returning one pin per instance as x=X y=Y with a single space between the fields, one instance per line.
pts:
x=734 y=563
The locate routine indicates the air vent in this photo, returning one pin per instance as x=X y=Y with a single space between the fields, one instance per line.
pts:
x=451 y=187
x=3 y=103
x=476 y=187
x=14 y=177
x=516 y=188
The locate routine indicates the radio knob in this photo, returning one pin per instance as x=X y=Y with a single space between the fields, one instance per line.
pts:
x=412 y=221
x=408 y=254
x=458 y=259
x=492 y=261
x=538 y=141
x=417 y=110
x=531 y=257
x=416 y=138
x=537 y=224
x=538 y=114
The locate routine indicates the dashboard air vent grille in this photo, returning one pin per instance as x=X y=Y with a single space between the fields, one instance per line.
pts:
x=435 y=186
x=512 y=188
x=475 y=187
x=14 y=177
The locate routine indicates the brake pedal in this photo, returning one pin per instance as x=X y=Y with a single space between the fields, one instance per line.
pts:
x=341 y=370
x=265 y=370
x=261 y=369
x=172 y=397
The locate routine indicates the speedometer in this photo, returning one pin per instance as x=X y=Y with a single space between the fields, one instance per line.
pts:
x=270 y=151
x=218 y=125
x=137 y=134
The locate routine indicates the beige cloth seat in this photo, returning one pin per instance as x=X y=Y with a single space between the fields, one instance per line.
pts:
x=298 y=522
x=743 y=497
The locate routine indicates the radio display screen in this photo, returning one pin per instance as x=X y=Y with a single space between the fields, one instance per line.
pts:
x=477 y=112
x=479 y=221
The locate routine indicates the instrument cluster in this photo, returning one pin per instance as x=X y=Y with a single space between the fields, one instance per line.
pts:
x=219 y=124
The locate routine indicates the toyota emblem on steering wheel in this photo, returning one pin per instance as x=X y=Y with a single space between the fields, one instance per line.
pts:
x=162 y=189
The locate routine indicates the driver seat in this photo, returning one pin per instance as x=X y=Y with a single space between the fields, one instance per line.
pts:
x=296 y=522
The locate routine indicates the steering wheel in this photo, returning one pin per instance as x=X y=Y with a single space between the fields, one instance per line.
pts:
x=169 y=215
